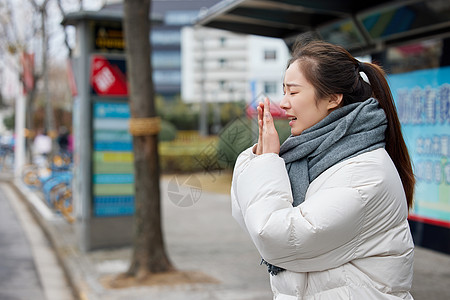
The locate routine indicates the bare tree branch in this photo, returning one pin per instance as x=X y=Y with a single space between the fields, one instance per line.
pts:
x=66 y=37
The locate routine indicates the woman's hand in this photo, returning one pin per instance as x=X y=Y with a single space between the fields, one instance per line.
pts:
x=268 y=141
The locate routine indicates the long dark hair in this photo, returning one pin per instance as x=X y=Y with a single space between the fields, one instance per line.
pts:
x=333 y=70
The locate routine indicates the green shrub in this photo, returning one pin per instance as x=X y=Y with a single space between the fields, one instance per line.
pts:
x=239 y=135
x=235 y=137
x=9 y=122
x=168 y=131
x=194 y=155
x=179 y=113
x=185 y=116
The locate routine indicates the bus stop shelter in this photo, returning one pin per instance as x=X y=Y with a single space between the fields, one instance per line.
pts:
x=421 y=95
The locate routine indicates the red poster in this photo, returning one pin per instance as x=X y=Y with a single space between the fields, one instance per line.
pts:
x=27 y=60
x=107 y=76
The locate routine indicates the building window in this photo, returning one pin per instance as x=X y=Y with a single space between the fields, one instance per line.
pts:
x=181 y=17
x=167 y=77
x=222 y=84
x=166 y=59
x=165 y=37
x=222 y=62
x=270 y=55
x=223 y=41
x=270 y=87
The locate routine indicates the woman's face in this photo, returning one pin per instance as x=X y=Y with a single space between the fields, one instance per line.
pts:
x=299 y=101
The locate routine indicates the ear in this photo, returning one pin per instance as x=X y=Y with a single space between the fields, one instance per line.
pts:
x=335 y=101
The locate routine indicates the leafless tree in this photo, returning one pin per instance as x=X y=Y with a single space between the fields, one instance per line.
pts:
x=19 y=38
x=66 y=36
x=41 y=9
x=14 y=44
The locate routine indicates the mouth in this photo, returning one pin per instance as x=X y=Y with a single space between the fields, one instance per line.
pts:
x=291 y=118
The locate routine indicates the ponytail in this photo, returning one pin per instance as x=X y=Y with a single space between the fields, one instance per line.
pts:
x=395 y=144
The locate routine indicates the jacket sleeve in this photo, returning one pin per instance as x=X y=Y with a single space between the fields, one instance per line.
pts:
x=241 y=164
x=319 y=234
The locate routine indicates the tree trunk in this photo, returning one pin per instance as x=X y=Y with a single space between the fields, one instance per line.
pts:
x=149 y=255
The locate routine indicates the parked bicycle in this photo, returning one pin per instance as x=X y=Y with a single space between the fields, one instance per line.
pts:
x=6 y=157
x=53 y=177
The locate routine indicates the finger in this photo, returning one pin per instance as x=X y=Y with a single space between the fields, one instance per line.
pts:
x=267 y=104
x=260 y=113
x=260 y=122
x=260 y=110
x=260 y=130
x=267 y=115
x=260 y=117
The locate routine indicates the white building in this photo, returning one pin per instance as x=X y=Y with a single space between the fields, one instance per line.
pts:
x=222 y=66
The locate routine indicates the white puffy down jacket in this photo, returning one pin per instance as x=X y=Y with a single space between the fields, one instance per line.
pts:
x=350 y=239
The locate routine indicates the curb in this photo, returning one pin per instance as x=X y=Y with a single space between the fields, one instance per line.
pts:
x=66 y=255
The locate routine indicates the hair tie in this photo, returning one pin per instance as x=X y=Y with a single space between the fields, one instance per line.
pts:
x=358 y=68
x=360 y=65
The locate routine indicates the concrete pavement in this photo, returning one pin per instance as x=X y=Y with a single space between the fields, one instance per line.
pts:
x=202 y=238
x=18 y=275
x=29 y=266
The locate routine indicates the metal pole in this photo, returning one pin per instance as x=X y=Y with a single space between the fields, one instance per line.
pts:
x=19 y=148
x=49 y=123
x=203 y=126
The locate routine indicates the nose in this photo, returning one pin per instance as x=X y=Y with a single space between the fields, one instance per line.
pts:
x=284 y=104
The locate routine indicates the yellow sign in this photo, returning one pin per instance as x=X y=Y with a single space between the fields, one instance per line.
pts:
x=109 y=38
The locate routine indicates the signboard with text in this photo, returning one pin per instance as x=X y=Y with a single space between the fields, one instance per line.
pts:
x=112 y=154
x=109 y=37
x=423 y=103
x=112 y=160
x=103 y=184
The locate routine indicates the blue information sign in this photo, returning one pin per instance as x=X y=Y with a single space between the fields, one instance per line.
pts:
x=423 y=103
x=113 y=172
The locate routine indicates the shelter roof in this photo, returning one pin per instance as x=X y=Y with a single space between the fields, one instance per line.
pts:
x=360 y=26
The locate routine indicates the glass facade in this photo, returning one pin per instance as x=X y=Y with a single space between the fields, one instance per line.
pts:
x=166 y=56
x=166 y=78
x=165 y=37
x=166 y=59
x=180 y=17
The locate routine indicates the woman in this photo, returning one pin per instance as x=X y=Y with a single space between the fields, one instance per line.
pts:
x=328 y=209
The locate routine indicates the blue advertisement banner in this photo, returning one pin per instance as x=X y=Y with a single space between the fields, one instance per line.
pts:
x=111 y=110
x=112 y=157
x=423 y=104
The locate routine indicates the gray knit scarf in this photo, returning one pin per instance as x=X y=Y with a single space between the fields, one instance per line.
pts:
x=346 y=132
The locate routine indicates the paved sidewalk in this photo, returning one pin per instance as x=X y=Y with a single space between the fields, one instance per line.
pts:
x=18 y=275
x=33 y=267
x=203 y=237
